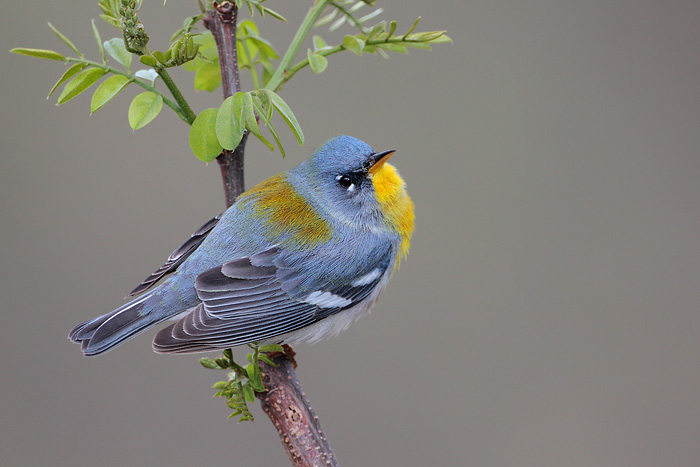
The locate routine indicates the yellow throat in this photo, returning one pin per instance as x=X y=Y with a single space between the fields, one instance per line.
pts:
x=395 y=203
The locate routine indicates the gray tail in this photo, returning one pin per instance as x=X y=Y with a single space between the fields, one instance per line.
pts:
x=104 y=332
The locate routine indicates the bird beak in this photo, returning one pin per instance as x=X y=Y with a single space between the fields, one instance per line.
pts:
x=379 y=160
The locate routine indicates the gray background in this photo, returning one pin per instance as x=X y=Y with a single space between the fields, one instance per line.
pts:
x=547 y=314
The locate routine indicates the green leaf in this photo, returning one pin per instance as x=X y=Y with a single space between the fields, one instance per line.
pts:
x=392 y=28
x=67 y=75
x=112 y=21
x=318 y=63
x=208 y=76
x=428 y=36
x=221 y=362
x=148 y=60
x=98 y=39
x=274 y=134
x=243 y=57
x=326 y=19
x=106 y=91
x=38 y=53
x=391 y=47
x=65 y=40
x=378 y=29
x=418 y=45
x=265 y=47
x=219 y=384
x=248 y=26
x=353 y=44
x=257 y=383
x=160 y=56
x=257 y=105
x=203 y=141
x=338 y=23
x=117 y=50
x=271 y=348
x=249 y=393
x=274 y=14
x=441 y=39
x=252 y=370
x=288 y=116
x=80 y=83
x=264 y=358
x=226 y=125
x=209 y=363
x=144 y=108
x=320 y=44
x=263 y=96
x=238 y=117
x=207 y=46
x=412 y=27
x=248 y=114
x=369 y=16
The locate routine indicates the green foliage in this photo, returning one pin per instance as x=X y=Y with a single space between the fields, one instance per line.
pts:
x=203 y=141
x=65 y=40
x=107 y=90
x=80 y=83
x=376 y=39
x=254 y=5
x=66 y=76
x=110 y=13
x=253 y=52
x=98 y=40
x=223 y=128
x=39 y=53
x=247 y=111
x=117 y=50
x=144 y=108
x=244 y=381
x=317 y=62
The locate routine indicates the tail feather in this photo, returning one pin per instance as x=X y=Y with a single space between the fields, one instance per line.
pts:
x=102 y=333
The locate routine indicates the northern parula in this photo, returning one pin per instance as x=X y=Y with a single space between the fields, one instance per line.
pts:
x=297 y=258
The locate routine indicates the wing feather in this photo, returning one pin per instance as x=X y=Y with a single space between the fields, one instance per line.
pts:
x=257 y=298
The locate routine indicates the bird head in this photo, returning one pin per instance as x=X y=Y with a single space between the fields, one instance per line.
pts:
x=353 y=182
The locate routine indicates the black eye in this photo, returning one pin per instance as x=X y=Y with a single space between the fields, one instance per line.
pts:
x=345 y=181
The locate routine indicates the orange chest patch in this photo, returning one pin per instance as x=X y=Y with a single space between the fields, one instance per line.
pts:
x=284 y=214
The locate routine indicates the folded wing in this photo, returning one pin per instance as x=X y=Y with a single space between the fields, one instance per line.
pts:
x=257 y=298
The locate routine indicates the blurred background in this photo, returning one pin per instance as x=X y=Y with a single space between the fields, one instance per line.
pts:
x=547 y=314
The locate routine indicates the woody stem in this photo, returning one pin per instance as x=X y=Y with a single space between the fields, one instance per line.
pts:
x=221 y=21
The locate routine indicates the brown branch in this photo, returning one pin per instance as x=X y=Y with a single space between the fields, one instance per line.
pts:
x=284 y=402
x=221 y=21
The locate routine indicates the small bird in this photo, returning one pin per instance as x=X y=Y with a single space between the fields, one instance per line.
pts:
x=297 y=258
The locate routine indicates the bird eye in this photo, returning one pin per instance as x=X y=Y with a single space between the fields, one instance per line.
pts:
x=345 y=181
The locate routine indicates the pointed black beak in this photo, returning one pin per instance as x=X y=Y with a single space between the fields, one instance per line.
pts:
x=379 y=159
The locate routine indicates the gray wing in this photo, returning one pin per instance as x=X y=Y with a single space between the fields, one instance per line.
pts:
x=177 y=257
x=256 y=298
